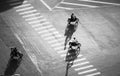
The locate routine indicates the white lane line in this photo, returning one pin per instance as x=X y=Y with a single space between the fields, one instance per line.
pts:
x=79 y=60
x=101 y=2
x=19 y=38
x=93 y=74
x=44 y=27
x=80 y=64
x=31 y=15
x=66 y=8
x=85 y=67
x=34 y=18
x=27 y=12
x=88 y=71
x=79 y=4
x=56 y=44
x=24 y=9
x=24 y=5
x=36 y=21
x=46 y=5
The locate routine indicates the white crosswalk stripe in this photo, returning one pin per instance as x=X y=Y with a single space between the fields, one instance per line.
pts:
x=47 y=34
x=27 y=12
x=63 y=55
x=44 y=31
x=23 y=9
x=58 y=35
x=45 y=23
x=87 y=71
x=93 y=74
x=15 y=3
x=52 y=41
x=85 y=67
x=36 y=25
x=79 y=64
x=34 y=18
x=43 y=27
x=24 y=5
x=59 y=48
x=79 y=60
x=61 y=39
x=25 y=2
x=49 y=38
x=52 y=29
x=55 y=32
x=56 y=44
x=30 y=15
x=36 y=21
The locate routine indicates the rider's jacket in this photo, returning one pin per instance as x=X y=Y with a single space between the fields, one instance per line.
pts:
x=72 y=21
x=73 y=47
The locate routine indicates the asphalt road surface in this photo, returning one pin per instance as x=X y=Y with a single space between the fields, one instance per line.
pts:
x=40 y=33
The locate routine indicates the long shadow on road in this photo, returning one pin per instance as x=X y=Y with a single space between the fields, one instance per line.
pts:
x=12 y=66
x=9 y=4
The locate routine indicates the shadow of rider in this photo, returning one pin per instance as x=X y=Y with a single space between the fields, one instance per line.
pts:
x=14 y=62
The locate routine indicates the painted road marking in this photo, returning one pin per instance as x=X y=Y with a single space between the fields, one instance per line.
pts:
x=36 y=21
x=34 y=18
x=49 y=38
x=46 y=5
x=27 y=12
x=23 y=9
x=44 y=27
x=79 y=4
x=85 y=67
x=24 y=5
x=87 y=71
x=56 y=44
x=30 y=15
x=101 y=2
x=59 y=48
x=80 y=64
x=79 y=60
x=66 y=8
x=93 y=74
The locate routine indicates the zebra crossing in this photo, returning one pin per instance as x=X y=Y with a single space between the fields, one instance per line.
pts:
x=47 y=31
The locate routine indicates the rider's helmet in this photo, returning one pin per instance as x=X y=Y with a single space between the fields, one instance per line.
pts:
x=73 y=42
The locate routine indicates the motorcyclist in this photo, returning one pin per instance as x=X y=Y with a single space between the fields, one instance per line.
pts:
x=72 y=24
x=73 y=49
x=15 y=54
